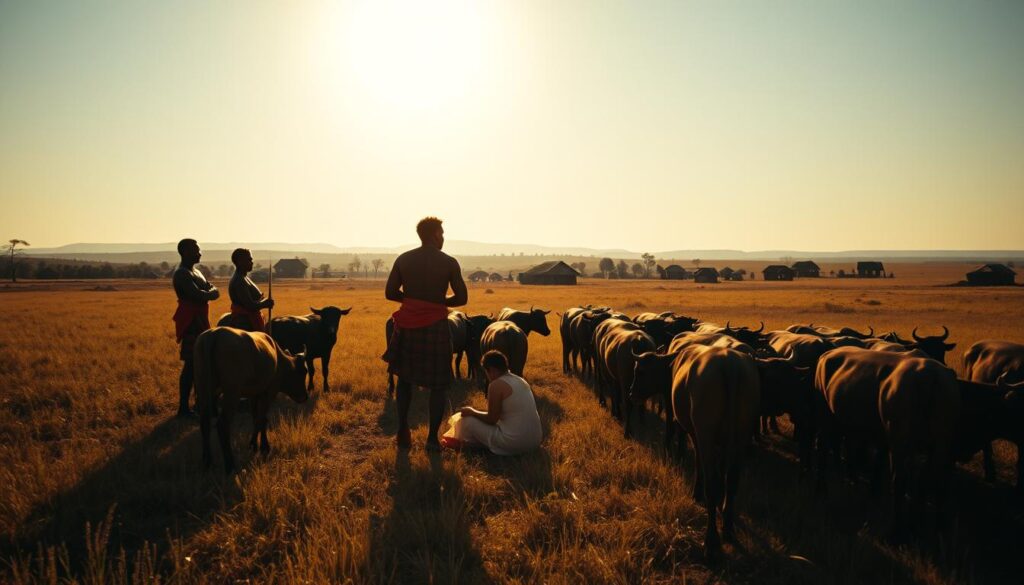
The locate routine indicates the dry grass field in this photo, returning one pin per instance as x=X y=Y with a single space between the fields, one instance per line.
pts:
x=100 y=484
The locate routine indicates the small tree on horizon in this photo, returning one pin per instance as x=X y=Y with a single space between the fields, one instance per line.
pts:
x=649 y=263
x=325 y=269
x=377 y=263
x=622 y=269
x=12 y=247
x=696 y=262
x=638 y=270
x=607 y=266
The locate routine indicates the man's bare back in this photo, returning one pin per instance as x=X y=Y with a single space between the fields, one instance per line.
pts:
x=425 y=273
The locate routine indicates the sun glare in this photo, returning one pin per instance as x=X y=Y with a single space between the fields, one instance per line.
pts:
x=411 y=55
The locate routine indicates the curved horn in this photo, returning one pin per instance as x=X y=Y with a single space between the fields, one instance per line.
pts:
x=761 y=329
x=1001 y=381
x=914 y=335
x=872 y=334
x=636 y=355
x=531 y=308
x=727 y=328
x=945 y=333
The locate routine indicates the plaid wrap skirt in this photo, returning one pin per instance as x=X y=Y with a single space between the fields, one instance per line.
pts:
x=421 y=356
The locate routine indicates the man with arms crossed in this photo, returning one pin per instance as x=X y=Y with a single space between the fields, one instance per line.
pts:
x=420 y=350
x=193 y=314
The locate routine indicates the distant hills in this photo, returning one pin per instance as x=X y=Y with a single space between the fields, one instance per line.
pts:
x=160 y=251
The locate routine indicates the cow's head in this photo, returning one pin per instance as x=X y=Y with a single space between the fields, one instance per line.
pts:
x=476 y=325
x=935 y=346
x=894 y=337
x=746 y=335
x=786 y=388
x=539 y=321
x=851 y=332
x=680 y=323
x=652 y=374
x=330 y=319
x=293 y=380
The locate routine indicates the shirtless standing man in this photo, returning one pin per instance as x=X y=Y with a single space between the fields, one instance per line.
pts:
x=420 y=351
x=246 y=298
x=193 y=314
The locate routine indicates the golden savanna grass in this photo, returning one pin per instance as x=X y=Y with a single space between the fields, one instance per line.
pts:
x=100 y=485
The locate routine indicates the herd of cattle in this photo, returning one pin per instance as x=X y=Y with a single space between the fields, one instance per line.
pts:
x=844 y=391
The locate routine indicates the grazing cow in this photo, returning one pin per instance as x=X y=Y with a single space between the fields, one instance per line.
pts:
x=788 y=388
x=663 y=327
x=890 y=347
x=716 y=396
x=231 y=364
x=315 y=334
x=904 y=405
x=987 y=361
x=528 y=321
x=509 y=339
x=689 y=338
x=618 y=342
x=895 y=338
x=828 y=332
x=581 y=330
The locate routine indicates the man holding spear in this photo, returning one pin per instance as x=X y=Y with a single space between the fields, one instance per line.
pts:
x=246 y=298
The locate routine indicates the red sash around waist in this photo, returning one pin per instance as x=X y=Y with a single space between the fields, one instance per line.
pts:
x=255 y=317
x=188 y=312
x=415 y=313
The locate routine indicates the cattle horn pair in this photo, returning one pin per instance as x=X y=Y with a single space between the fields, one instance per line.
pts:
x=761 y=329
x=945 y=334
x=1002 y=383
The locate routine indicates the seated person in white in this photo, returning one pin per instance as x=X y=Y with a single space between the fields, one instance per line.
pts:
x=509 y=426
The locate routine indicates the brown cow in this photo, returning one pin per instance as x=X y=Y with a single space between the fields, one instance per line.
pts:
x=509 y=339
x=570 y=352
x=618 y=342
x=581 y=330
x=986 y=361
x=528 y=321
x=231 y=364
x=715 y=399
x=905 y=405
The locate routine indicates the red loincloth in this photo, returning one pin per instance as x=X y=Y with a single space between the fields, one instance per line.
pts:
x=255 y=317
x=186 y=314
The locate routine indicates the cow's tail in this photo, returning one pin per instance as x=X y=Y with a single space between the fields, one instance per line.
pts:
x=206 y=375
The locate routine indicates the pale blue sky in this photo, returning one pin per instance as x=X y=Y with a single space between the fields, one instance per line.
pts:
x=644 y=125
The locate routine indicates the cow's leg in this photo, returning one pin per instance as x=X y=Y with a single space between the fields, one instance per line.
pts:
x=253 y=444
x=310 y=372
x=458 y=365
x=732 y=480
x=403 y=397
x=391 y=385
x=185 y=382
x=899 y=464
x=698 y=480
x=565 y=357
x=627 y=409
x=325 y=362
x=260 y=413
x=990 y=468
x=204 y=428
x=227 y=410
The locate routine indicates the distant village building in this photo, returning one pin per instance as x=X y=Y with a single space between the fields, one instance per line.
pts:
x=726 y=273
x=706 y=275
x=291 y=268
x=478 y=276
x=676 y=272
x=778 y=272
x=992 y=275
x=736 y=276
x=806 y=269
x=870 y=270
x=554 y=272
x=495 y=277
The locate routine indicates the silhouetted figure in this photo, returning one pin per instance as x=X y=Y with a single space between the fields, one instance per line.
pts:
x=246 y=298
x=420 y=349
x=192 y=316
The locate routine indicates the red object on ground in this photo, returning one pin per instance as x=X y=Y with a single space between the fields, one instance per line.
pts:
x=255 y=317
x=188 y=312
x=415 y=313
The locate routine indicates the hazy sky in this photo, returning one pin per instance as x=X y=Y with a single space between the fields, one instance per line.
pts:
x=645 y=125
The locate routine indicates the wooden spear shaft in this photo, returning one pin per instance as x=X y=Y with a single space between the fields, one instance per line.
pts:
x=270 y=294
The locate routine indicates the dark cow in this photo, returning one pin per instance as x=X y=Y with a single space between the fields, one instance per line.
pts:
x=581 y=330
x=904 y=405
x=528 y=321
x=663 y=327
x=894 y=337
x=242 y=322
x=689 y=338
x=231 y=364
x=990 y=361
x=715 y=400
x=802 y=350
x=509 y=339
x=935 y=346
x=828 y=332
x=617 y=343
x=747 y=335
x=315 y=334
x=570 y=351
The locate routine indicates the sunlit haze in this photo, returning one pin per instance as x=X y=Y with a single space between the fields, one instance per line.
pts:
x=640 y=125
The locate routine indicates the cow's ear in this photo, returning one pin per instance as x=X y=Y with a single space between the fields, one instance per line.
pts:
x=346 y=311
x=950 y=346
x=316 y=311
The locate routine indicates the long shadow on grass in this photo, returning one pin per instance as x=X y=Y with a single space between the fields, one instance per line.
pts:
x=154 y=487
x=426 y=536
